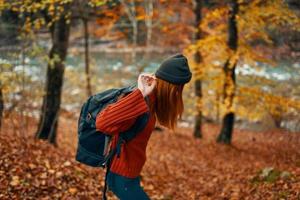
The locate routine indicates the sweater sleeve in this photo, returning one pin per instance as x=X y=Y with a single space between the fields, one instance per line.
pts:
x=121 y=115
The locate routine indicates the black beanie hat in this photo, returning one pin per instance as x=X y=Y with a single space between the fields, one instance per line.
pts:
x=175 y=69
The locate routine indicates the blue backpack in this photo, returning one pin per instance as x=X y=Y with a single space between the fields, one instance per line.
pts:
x=93 y=147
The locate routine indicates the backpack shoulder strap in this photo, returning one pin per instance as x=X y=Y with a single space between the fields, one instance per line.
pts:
x=137 y=127
x=132 y=132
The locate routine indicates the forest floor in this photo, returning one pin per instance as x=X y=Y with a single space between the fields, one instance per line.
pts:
x=258 y=165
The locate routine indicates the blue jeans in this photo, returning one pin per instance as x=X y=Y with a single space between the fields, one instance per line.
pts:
x=126 y=188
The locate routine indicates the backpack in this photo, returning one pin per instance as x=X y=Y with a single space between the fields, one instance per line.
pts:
x=93 y=147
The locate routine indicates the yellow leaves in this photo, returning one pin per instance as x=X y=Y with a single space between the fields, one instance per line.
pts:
x=3 y=5
x=55 y=9
x=214 y=18
x=254 y=19
x=53 y=60
x=212 y=48
x=38 y=23
x=229 y=92
x=51 y=9
x=275 y=105
x=233 y=59
x=27 y=25
x=272 y=14
x=96 y=3
x=197 y=68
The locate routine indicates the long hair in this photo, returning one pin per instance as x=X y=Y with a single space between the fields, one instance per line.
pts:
x=168 y=106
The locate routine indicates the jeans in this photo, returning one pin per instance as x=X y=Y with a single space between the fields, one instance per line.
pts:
x=126 y=188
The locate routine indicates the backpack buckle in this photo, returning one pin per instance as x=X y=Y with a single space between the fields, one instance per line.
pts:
x=89 y=116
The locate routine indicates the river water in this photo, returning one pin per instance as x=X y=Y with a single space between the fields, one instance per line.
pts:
x=118 y=69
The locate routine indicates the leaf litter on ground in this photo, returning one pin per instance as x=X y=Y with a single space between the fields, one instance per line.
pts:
x=258 y=165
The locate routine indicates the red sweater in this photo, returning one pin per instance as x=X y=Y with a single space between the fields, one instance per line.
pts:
x=120 y=116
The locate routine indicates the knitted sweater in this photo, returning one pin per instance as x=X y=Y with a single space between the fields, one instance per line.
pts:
x=120 y=116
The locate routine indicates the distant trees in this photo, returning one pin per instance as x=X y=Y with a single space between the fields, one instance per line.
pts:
x=8 y=29
x=149 y=13
x=229 y=34
x=60 y=33
x=131 y=12
x=136 y=12
x=86 y=11
x=9 y=35
x=244 y=39
x=56 y=16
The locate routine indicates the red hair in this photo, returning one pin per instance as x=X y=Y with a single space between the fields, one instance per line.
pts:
x=168 y=106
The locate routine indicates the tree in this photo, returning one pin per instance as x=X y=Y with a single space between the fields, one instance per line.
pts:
x=85 y=19
x=86 y=10
x=130 y=9
x=229 y=73
x=1 y=105
x=246 y=40
x=60 y=32
x=87 y=58
x=149 y=20
x=56 y=16
x=197 y=58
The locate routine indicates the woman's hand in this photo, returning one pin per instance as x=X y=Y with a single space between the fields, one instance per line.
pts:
x=146 y=83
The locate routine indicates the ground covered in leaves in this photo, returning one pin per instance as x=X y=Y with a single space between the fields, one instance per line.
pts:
x=264 y=165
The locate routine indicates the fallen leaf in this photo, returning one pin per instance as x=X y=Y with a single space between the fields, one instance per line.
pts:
x=72 y=190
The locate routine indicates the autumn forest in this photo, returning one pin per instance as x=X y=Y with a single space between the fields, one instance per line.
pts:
x=238 y=137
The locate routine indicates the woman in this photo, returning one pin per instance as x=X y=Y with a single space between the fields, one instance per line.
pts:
x=164 y=90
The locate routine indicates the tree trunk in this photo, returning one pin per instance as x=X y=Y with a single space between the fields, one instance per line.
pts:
x=135 y=35
x=87 y=58
x=148 y=21
x=130 y=10
x=148 y=6
x=218 y=107
x=198 y=60
x=225 y=135
x=1 y=105
x=55 y=71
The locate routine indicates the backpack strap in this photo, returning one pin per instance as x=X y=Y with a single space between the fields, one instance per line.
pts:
x=124 y=137
x=128 y=135
x=138 y=126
